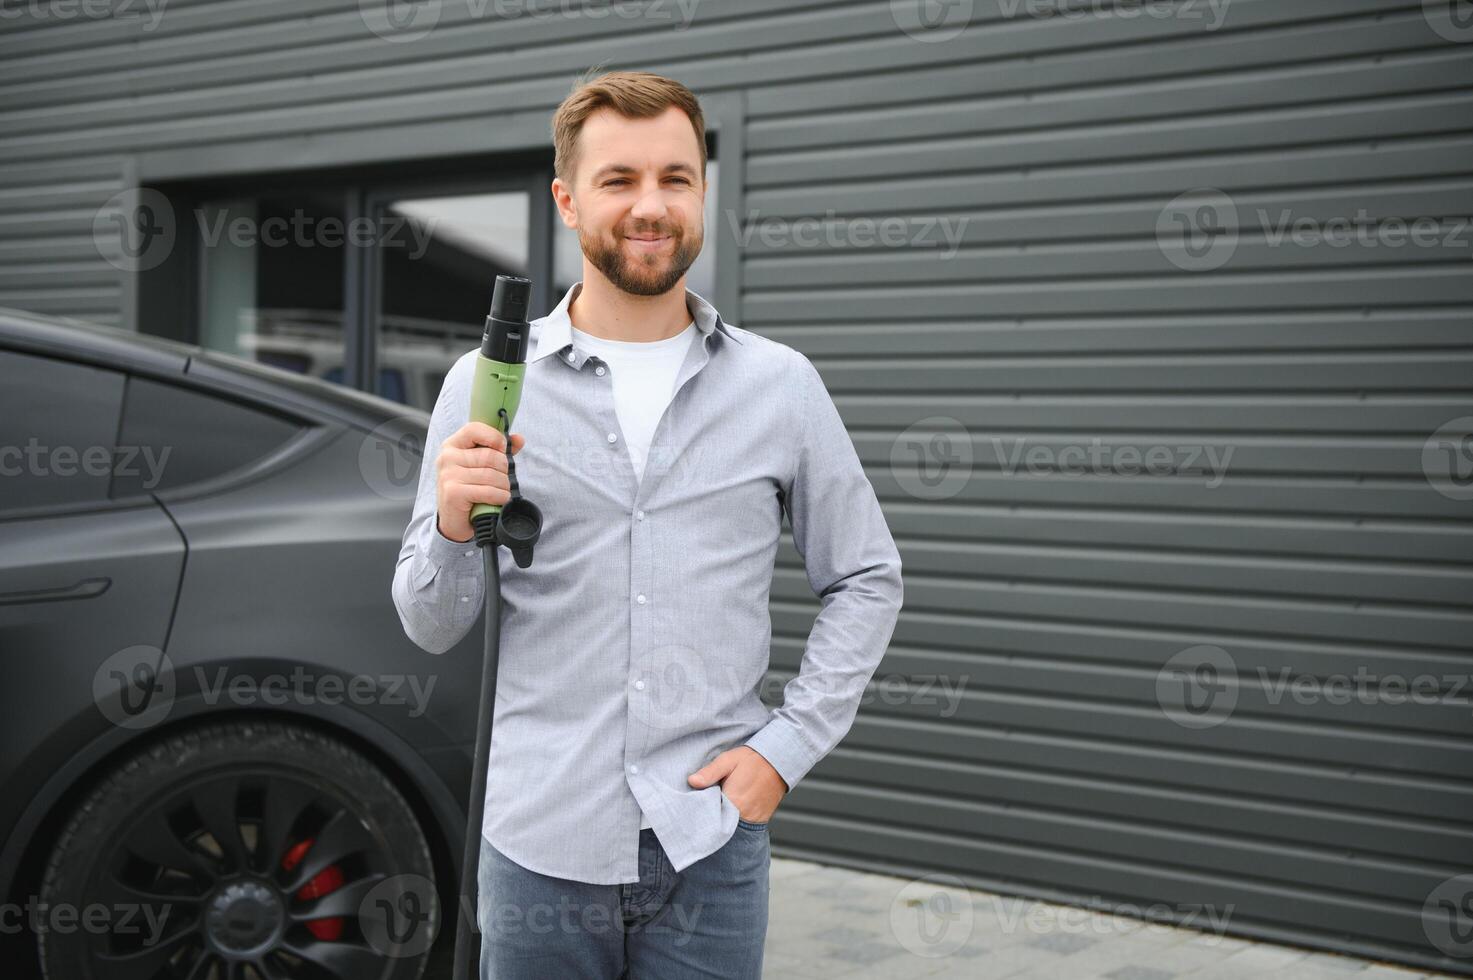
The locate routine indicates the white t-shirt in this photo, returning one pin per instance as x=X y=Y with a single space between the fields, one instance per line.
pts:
x=644 y=382
x=644 y=375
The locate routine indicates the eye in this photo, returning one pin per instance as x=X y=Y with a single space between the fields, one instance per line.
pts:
x=617 y=180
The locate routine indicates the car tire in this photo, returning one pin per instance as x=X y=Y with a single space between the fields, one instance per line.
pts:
x=328 y=876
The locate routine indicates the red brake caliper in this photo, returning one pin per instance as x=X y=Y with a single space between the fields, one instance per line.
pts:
x=328 y=880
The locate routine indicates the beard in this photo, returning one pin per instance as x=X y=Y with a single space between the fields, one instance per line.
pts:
x=651 y=274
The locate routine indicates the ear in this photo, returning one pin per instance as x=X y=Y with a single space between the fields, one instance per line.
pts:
x=566 y=204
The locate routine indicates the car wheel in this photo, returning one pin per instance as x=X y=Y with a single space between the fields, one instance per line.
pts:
x=243 y=850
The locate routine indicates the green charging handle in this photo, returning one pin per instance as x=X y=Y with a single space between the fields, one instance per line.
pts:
x=496 y=388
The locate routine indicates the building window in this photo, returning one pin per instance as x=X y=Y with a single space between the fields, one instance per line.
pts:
x=372 y=282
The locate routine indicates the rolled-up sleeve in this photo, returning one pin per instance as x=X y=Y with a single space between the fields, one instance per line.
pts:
x=438 y=582
x=853 y=567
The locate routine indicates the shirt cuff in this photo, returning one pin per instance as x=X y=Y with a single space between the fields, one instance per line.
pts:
x=443 y=552
x=780 y=743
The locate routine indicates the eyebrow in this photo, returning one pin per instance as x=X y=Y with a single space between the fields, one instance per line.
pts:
x=624 y=168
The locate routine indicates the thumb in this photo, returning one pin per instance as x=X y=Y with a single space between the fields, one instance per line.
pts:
x=713 y=771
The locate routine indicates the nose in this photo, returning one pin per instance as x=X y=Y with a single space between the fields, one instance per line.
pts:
x=650 y=207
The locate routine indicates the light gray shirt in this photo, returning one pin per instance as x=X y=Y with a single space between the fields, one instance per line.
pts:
x=634 y=647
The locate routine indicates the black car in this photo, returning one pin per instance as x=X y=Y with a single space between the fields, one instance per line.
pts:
x=220 y=756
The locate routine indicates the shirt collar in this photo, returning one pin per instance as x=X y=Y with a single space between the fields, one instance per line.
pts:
x=555 y=331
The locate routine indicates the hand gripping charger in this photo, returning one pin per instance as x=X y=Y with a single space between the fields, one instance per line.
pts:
x=496 y=391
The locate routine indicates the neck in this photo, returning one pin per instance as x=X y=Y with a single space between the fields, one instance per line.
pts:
x=612 y=314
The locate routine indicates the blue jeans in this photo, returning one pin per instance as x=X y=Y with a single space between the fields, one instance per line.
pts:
x=709 y=920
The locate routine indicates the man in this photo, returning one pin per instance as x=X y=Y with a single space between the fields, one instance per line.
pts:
x=634 y=768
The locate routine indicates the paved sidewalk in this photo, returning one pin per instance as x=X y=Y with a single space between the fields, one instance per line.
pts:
x=829 y=922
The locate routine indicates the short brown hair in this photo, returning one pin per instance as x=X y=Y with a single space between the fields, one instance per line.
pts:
x=636 y=94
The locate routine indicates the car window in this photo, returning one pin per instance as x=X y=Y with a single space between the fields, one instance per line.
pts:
x=58 y=424
x=174 y=436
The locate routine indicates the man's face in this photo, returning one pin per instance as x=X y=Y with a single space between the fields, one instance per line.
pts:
x=639 y=199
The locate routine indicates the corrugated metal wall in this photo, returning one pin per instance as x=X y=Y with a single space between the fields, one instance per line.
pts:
x=1072 y=620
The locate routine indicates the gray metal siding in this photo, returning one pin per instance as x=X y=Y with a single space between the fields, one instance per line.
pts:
x=1054 y=599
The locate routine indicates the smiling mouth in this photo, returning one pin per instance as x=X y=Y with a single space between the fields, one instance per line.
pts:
x=648 y=243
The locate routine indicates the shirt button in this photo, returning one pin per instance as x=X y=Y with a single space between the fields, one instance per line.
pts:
x=469 y=553
x=465 y=598
x=639 y=514
x=599 y=372
x=634 y=769
x=639 y=685
x=570 y=357
x=613 y=438
x=639 y=598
